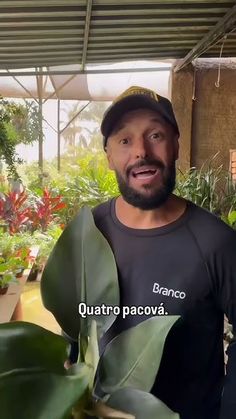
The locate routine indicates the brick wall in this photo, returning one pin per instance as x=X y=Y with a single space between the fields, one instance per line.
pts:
x=208 y=123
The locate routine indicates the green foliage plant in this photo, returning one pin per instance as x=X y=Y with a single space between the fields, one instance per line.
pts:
x=14 y=255
x=45 y=241
x=33 y=380
x=210 y=187
x=18 y=124
x=230 y=219
x=87 y=180
x=10 y=244
x=8 y=270
x=14 y=210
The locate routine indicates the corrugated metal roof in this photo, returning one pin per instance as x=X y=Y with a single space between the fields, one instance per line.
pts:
x=57 y=32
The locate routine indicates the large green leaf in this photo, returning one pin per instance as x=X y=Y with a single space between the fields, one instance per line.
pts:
x=81 y=268
x=132 y=358
x=33 y=381
x=92 y=353
x=142 y=405
x=102 y=410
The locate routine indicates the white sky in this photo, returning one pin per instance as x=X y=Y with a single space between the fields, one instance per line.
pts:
x=30 y=153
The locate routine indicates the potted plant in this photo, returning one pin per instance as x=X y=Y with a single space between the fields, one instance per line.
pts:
x=115 y=386
x=16 y=249
x=24 y=259
x=46 y=241
x=7 y=274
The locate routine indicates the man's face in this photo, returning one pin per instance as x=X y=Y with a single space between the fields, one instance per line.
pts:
x=142 y=150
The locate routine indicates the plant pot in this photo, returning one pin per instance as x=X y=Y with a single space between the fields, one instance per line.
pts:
x=20 y=273
x=33 y=274
x=3 y=290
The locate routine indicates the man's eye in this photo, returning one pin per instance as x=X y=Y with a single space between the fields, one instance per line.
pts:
x=124 y=141
x=155 y=136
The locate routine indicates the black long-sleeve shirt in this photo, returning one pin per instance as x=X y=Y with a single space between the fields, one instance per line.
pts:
x=190 y=266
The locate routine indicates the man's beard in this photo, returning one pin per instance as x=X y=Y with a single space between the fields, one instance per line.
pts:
x=159 y=195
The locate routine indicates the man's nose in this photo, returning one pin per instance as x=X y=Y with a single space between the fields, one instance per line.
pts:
x=140 y=149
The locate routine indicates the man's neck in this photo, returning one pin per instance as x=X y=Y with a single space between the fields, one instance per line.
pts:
x=134 y=217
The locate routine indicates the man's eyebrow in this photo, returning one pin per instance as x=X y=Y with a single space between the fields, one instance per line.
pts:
x=119 y=127
x=156 y=119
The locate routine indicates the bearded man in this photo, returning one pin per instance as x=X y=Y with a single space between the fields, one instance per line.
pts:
x=171 y=252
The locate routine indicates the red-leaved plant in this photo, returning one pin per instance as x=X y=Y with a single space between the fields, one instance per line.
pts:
x=45 y=210
x=14 y=210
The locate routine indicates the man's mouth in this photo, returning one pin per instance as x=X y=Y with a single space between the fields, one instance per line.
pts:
x=145 y=172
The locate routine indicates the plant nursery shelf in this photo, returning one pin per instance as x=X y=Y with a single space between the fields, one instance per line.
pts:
x=9 y=301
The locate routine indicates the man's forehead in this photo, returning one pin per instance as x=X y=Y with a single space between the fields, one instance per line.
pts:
x=153 y=116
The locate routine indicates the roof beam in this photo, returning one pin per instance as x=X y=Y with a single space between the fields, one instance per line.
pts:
x=71 y=72
x=220 y=29
x=175 y=9
x=44 y=3
x=22 y=86
x=58 y=89
x=53 y=85
x=86 y=32
x=155 y=2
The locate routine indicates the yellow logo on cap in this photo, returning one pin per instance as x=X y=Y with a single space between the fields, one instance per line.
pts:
x=136 y=90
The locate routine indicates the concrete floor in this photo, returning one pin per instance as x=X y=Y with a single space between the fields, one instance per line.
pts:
x=33 y=309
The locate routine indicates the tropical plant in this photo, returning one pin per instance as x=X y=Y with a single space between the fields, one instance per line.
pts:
x=3 y=180
x=32 y=359
x=22 y=211
x=230 y=219
x=46 y=241
x=44 y=210
x=73 y=129
x=210 y=187
x=88 y=181
x=24 y=256
x=8 y=270
x=13 y=210
x=18 y=124
x=11 y=244
x=15 y=254
x=85 y=127
x=32 y=362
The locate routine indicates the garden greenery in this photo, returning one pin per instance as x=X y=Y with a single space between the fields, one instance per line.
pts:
x=18 y=124
x=86 y=180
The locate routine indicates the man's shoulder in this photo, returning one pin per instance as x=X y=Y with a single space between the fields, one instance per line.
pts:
x=101 y=211
x=209 y=227
x=208 y=219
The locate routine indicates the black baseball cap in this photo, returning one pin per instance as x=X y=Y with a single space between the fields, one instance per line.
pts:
x=135 y=98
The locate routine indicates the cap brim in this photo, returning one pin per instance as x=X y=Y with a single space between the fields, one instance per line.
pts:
x=127 y=104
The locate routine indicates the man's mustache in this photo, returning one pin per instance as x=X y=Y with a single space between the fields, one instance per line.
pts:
x=145 y=162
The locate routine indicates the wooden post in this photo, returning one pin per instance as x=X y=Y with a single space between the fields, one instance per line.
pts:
x=58 y=137
x=40 y=102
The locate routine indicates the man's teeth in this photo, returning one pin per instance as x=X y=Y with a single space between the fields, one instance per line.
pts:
x=145 y=173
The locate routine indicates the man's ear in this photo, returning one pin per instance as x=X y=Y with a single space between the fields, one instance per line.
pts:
x=109 y=158
x=176 y=145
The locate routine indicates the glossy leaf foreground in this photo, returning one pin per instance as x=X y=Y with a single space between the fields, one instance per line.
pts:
x=33 y=381
x=35 y=384
x=81 y=268
x=140 y=404
x=132 y=359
